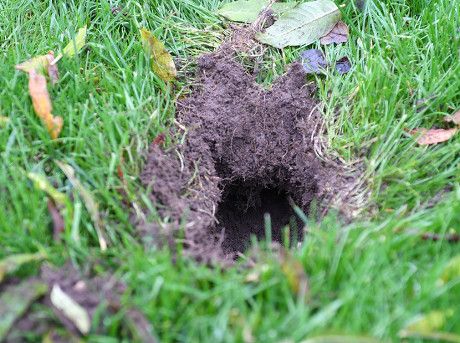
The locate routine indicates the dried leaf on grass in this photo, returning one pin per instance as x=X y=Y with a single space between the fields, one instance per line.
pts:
x=15 y=300
x=40 y=63
x=432 y=136
x=302 y=25
x=71 y=309
x=11 y=263
x=163 y=64
x=313 y=62
x=427 y=327
x=454 y=118
x=37 y=63
x=338 y=34
x=247 y=11
x=88 y=199
x=42 y=103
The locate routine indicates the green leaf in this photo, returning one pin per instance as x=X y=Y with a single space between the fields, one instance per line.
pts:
x=162 y=62
x=10 y=263
x=15 y=300
x=247 y=11
x=74 y=46
x=302 y=25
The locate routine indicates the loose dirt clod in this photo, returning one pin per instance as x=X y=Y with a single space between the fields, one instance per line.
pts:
x=247 y=152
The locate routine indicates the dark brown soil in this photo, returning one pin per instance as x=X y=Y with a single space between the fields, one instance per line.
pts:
x=247 y=152
x=88 y=292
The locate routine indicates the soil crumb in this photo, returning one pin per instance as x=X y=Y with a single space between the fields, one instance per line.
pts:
x=247 y=152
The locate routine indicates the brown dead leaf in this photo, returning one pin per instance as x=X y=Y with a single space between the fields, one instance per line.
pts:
x=455 y=118
x=58 y=220
x=338 y=34
x=42 y=103
x=432 y=136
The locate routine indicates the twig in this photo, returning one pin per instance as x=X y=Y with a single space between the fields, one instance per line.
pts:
x=428 y=236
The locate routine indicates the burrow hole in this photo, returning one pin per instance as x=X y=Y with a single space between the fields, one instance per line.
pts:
x=241 y=214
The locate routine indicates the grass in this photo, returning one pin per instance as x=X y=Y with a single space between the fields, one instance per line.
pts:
x=367 y=278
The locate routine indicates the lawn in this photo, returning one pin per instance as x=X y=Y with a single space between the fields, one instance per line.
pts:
x=370 y=276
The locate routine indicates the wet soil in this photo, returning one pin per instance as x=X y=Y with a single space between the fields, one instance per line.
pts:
x=247 y=152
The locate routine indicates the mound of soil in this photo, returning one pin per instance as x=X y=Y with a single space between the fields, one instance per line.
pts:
x=247 y=153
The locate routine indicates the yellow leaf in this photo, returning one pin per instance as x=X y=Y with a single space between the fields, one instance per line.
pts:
x=40 y=64
x=163 y=64
x=42 y=103
x=74 y=46
x=37 y=63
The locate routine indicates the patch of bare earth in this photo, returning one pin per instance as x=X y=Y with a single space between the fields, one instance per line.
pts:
x=247 y=152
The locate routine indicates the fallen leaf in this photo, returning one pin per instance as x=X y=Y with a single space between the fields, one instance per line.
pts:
x=37 y=63
x=11 y=263
x=71 y=309
x=302 y=25
x=338 y=34
x=313 y=62
x=163 y=64
x=294 y=272
x=426 y=327
x=74 y=46
x=343 y=65
x=432 y=136
x=15 y=300
x=247 y=11
x=40 y=63
x=42 y=103
x=88 y=199
x=455 y=118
